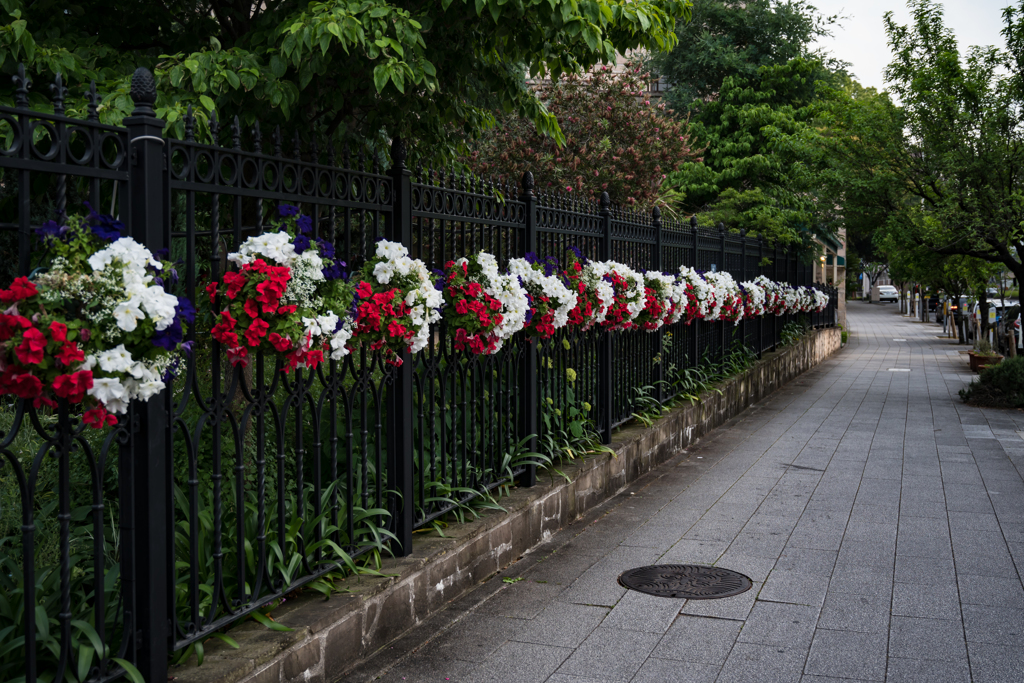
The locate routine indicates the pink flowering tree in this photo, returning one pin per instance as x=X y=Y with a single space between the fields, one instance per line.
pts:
x=615 y=140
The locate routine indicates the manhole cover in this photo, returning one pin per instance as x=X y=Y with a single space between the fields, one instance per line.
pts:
x=689 y=581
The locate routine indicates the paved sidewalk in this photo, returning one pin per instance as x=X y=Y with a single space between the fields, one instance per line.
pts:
x=881 y=520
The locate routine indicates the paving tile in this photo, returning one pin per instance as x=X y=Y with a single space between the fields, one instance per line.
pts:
x=794 y=587
x=776 y=623
x=851 y=612
x=524 y=599
x=661 y=670
x=995 y=663
x=807 y=561
x=925 y=570
x=476 y=636
x=599 y=584
x=521 y=662
x=991 y=590
x=996 y=625
x=641 y=612
x=938 y=601
x=701 y=640
x=753 y=663
x=903 y=670
x=927 y=639
x=847 y=654
x=756 y=568
x=430 y=667
x=611 y=654
x=562 y=625
x=861 y=579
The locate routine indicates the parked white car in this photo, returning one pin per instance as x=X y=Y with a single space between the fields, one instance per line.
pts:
x=888 y=293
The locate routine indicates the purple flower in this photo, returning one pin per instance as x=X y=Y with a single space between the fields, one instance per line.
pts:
x=325 y=248
x=185 y=310
x=531 y=257
x=170 y=336
x=439 y=282
x=301 y=243
x=103 y=226
x=162 y=254
x=333 y=272
x=305 y=224
x=51 y=229
x=287 y=210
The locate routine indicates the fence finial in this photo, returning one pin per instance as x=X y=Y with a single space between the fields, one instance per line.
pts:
x=605 y=201
x=721 y=226
x=22 y=84
x=257 y=137
x=143 y=92
x=94 y=99
x=527 y=182
x=656 y=214
x=693 y=222
x=398 y=152
x=190 y=125
x=236 y=134
x=277 y=140
x=743 y=232
x=214 y=128
x=59 y=91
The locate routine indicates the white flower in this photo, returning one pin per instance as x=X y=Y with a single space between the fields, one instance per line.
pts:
x=160 y=306
x=107 y=390
x=117 y=359
x=128 y=314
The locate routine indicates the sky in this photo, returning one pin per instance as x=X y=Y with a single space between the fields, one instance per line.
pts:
x=862 y=42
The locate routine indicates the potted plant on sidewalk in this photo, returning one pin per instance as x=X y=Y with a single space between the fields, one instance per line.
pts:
x=982 y=356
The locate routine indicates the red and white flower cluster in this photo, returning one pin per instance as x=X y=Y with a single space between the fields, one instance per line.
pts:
x=728 y=298
x=275 y=301
x=483 y=306
x=593 y=293
x=664 y=301
x=550 y=299
x=395 y=303
x=96 y=327
x=627 y=294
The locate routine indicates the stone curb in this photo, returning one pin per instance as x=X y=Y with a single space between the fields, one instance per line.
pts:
x=331 y=637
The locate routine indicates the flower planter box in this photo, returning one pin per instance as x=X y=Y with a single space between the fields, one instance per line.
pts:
x=979 y=362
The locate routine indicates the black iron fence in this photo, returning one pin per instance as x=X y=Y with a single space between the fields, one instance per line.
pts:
x=240 y=485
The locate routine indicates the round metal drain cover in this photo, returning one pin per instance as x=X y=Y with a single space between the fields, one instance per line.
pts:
x=689 y=581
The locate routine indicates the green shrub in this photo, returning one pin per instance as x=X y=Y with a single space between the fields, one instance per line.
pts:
x=998 y=386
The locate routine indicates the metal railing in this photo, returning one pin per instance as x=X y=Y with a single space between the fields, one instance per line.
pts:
x=240 y=485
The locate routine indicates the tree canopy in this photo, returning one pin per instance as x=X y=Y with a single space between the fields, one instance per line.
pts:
x=431 y=71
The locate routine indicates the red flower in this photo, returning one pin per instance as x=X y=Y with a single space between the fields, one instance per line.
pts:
x=20 y=289
x=285 y=310
x=58 y=331
x=235 y=282
x=396 y=329
x=9 y=324
x=460 y=307
x=211 y=290
x=257 y=330
x=98 y=417
x=252 y=309
x=282 y=344
x=40 y=401
x=238 y=355
x=364 y=290
x=70 y=353
x=25 y=385
x=73 y=386
x=30 y=351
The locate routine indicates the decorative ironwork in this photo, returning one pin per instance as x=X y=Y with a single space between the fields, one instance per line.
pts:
x=265 y=473
x=686 y=581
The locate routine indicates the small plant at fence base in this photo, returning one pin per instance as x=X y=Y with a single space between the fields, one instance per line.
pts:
x=998 y=386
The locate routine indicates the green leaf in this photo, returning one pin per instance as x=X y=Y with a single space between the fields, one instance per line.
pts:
x=380 y=76
x=207 y=102
x=272 y=625
x=129 y=669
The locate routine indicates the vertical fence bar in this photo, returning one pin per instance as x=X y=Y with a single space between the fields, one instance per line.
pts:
x=695 y=335
x=659 y=367
x=605 y=371
x=723 y=331
x=153 y=589
x=400 y=403
x=528 y=375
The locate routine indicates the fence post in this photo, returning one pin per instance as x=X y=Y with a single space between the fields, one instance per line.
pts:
x=400 y=404
x=659 y=367
x=723 y=329
x=695 y=335
x=528 y=375
x=744 y=278
x=605 y=371
x=152 y=473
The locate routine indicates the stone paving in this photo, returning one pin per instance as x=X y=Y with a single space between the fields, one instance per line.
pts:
x=881 y=520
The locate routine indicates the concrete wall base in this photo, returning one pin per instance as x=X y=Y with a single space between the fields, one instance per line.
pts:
x=331 y=636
